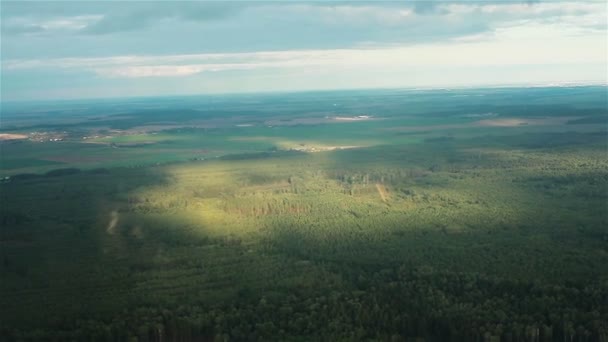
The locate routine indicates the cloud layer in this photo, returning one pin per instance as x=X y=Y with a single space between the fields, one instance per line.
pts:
x=97 y=42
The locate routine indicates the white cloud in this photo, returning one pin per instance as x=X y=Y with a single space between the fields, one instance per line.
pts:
x=61 y=23
x=529 y=44
x=70 y=23
x=168 y=70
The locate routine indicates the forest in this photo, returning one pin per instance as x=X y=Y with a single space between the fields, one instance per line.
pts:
x=427 y=225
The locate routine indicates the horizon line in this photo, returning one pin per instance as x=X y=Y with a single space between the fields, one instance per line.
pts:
x=583 y=83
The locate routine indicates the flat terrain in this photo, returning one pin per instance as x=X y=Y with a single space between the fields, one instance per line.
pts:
x=475 y=214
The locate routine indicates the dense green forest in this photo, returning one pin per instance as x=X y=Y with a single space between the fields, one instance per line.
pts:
x=463 y=234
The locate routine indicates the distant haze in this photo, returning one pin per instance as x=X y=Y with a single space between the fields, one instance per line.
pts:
x=87 y=49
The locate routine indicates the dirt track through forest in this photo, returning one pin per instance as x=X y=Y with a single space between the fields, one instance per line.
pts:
x=382 y=192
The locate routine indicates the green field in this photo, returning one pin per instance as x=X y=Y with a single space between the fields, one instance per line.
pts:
x=432 y=221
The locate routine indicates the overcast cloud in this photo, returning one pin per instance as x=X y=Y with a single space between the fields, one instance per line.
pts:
x=86 y=48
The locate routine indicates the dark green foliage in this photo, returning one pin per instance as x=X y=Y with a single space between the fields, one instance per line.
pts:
x=62 y=172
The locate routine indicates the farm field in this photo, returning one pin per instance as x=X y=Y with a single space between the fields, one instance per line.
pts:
x=381 y=215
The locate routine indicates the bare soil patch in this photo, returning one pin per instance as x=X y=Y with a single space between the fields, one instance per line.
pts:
x=514 y=122
x=503 y=122
x=11 y=136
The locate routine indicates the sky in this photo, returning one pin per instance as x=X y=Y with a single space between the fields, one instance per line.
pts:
x=89 y=49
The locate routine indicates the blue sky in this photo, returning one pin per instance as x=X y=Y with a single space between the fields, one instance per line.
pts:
x=85 y=49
